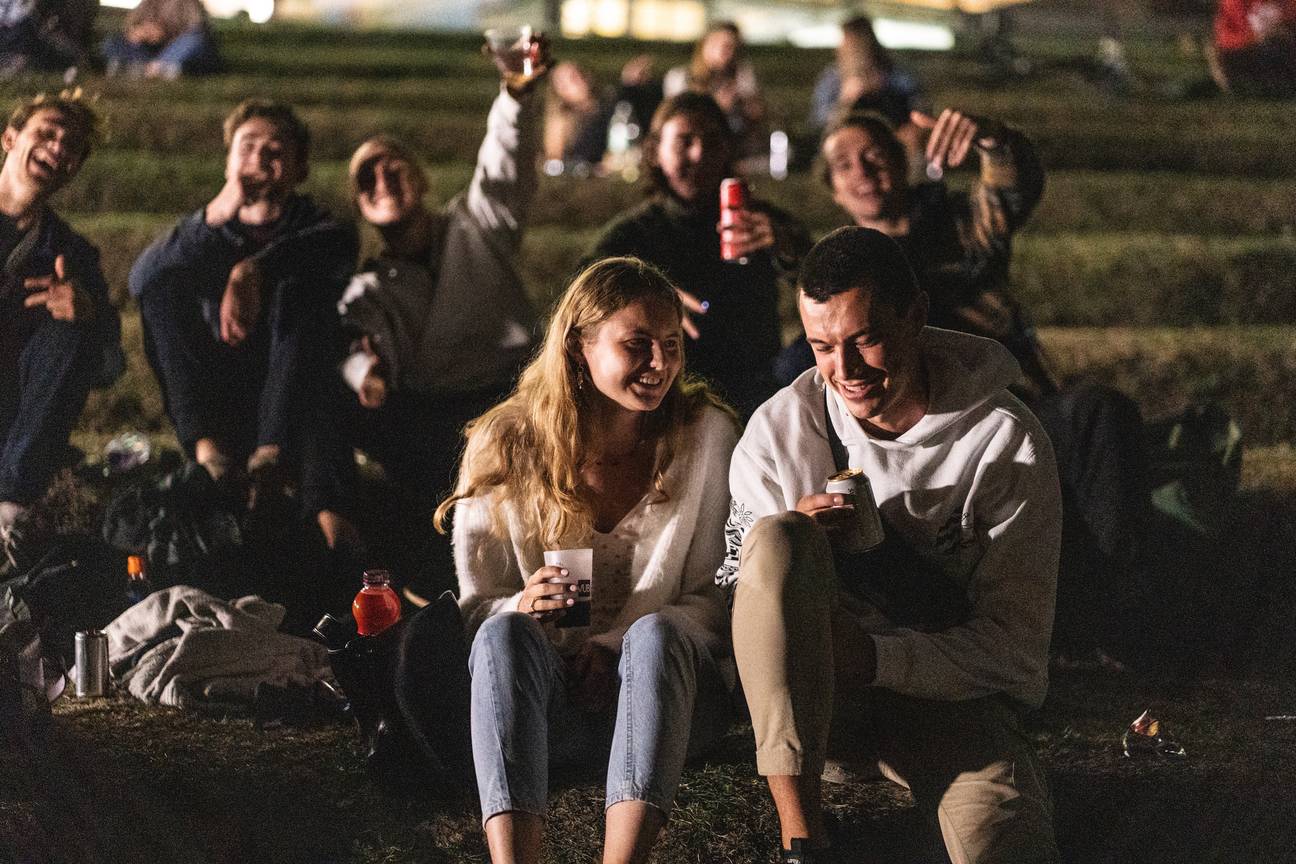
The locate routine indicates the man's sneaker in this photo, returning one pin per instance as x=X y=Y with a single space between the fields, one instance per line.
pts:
x=802 y=853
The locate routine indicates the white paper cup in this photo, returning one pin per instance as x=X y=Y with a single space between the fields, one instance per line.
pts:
x=579 y=564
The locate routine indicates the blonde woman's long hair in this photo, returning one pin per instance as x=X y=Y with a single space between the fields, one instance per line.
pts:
x=529 y=449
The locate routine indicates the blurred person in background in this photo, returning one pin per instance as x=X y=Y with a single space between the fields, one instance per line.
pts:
x=59 y=334
x=45 y=35
x=440 y=320
x=1255 y=48
x=732 y=319
x=865 y=78
x=719 y=69
x=238 y=303
x=163 y=39
x=578 y=113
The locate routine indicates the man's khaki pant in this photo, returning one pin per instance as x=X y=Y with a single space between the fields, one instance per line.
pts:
x=797 y=642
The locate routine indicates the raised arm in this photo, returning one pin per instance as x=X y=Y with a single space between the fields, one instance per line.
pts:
x=505 y=178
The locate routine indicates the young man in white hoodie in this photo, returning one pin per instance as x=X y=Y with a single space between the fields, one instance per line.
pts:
x=923 y=652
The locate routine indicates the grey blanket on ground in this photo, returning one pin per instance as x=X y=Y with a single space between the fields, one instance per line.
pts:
x=180 y=646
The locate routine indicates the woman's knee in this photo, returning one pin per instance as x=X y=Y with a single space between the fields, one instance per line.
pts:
x=660 y=639
x=508 y=637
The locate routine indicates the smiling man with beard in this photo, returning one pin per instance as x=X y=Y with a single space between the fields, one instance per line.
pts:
x=59 y=335
x=923 y=652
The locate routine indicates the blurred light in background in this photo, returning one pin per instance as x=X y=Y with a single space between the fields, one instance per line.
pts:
x=684 y=20
x=913 y=34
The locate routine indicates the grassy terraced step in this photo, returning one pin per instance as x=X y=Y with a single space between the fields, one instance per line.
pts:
x=1249 y=370
x=445 y=129
x=1070 y=279
x=1163 y=368
x=117 y=180
x=1095 y=280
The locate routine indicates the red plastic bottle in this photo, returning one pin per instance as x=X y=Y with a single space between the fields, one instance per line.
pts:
x=376 y=607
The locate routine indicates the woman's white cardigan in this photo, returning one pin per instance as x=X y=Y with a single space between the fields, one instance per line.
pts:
x=680 y=546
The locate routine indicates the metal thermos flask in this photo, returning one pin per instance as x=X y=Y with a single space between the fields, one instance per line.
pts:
x=91 y=663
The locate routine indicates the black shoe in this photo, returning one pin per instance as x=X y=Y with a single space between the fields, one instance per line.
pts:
x=801 y=853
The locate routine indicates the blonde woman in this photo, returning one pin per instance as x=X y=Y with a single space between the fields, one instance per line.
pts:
x=605 y=445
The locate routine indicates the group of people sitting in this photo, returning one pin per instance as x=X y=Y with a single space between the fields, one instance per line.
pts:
x=159 y=39
x=717 y=550
x=580 y=113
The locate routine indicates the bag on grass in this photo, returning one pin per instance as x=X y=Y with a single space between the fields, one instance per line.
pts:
x=408 y=688
x=78 y=584
x=1195 y=465
x=28 y=683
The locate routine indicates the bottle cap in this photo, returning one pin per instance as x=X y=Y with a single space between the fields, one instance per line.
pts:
x=135 y=565
x=376 y=577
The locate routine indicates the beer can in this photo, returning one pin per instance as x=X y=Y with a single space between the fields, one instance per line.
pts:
x=733 y=198
x=91 y=676
x=867 y=532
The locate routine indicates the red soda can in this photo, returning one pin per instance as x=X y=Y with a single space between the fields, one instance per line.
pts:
x=733 y=198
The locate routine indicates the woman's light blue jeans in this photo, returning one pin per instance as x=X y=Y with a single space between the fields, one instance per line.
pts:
x=673 y=703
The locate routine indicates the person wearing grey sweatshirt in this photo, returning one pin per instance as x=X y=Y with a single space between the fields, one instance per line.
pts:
x=922 y=652
x=440 y=319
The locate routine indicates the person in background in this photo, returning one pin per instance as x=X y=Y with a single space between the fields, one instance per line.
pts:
x=238 y=303
x=732 y=307
x=46 y=36
x=604 y=445
x=719 y=69
x=440 y=320
x=575 y=120
x=163 y=39
x=578 y=113
x=59 y=334
x=923 y=652
x=1255 y=47
x=865 y=78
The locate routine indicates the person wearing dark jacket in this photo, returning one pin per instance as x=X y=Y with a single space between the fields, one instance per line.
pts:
x=59 y=334
x=732 y=307
x=238 y=303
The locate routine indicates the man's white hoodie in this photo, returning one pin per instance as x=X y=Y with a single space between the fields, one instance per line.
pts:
x=972 y=487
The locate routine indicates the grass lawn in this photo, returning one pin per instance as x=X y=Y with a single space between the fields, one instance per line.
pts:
x=1160 y=260
x=124 y=782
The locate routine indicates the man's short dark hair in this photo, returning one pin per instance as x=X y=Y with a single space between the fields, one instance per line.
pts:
x=286 y=122
x=872 y=124
x=854 y=257
x=78 y=118
x=701 y=107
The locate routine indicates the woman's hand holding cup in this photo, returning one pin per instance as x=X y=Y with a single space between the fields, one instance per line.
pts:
x=547 y=593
